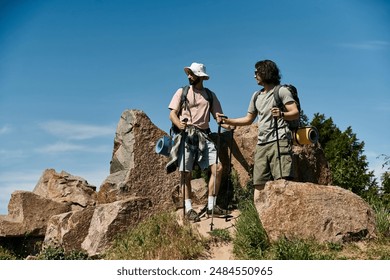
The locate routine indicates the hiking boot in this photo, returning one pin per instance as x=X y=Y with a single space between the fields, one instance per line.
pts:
x=192 y=216
x=218 y=211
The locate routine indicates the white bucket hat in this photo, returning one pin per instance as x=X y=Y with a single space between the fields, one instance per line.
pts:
x=198 y=69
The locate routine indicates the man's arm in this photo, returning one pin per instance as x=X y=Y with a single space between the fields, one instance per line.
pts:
x=247 y=120
x=176 y=121
x=292 y=112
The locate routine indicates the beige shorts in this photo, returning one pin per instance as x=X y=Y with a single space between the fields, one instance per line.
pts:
x=266 y=167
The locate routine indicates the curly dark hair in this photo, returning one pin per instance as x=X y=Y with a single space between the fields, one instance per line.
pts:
x=268 y=72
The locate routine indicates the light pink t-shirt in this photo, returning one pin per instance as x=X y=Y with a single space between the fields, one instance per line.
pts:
x=199 y=108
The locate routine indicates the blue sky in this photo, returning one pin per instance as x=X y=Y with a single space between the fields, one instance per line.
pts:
x=68 y=69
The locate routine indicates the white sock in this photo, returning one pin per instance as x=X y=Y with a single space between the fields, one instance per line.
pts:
x=188 y=204
x=211 y=203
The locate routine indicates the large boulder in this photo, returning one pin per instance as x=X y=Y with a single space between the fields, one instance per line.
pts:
x=68 y=230
x=66 y=188
x=94 y=228
x=136 y=169
x=310 y=211
x=108 y=220
x=310 y=165
x=28 y=214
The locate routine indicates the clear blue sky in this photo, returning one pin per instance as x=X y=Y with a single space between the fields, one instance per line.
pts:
x=68 y=69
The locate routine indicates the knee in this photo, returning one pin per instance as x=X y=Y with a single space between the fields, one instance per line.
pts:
x=216 y=168
x=219 y=167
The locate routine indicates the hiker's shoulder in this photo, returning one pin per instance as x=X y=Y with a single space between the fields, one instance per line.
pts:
x=284 y=92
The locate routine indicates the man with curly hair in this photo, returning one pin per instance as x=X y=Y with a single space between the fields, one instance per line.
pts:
x=274 y=139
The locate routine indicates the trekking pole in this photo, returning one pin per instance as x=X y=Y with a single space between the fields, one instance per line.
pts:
x=229 y=175
x=215 y=176
x=277 y=143
x=183 y=173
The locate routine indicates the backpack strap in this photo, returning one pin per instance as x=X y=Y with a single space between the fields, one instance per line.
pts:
x=277 y=98
x=183 y=98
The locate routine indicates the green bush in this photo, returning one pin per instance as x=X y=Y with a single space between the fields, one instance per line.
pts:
x=58 y=253
x=251 y=240
x=296 y=249
x=382 y=221
x=6 y=254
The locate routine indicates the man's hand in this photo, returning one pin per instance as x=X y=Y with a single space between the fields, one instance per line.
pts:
x=183 y=124
x=276 y=112
x=220 y=118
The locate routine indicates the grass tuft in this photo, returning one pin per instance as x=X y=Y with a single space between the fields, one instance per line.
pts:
x=158 y=238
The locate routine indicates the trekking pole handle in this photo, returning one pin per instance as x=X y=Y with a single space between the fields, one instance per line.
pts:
x=222 y=117
x=185 y=123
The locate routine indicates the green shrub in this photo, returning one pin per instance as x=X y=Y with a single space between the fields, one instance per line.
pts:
x=251 y=240
x=221 y=235
x=6 y=254
x=382 y=217
x=58 y=253
x=297 y=249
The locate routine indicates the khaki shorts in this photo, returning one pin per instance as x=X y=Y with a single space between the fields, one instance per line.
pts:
x=267 y=167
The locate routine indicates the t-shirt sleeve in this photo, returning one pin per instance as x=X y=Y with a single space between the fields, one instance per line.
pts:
x=217 y=108
x=285 y=95
x=252 y=106
x=175 y=101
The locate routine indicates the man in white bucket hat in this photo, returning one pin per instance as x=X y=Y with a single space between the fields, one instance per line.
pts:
x=198 y=69
x=192 y=116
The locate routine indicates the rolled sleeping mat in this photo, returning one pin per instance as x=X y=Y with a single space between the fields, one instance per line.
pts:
x=164 y=145
x=306 y=135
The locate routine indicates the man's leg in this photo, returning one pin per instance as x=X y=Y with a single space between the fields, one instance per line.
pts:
x=214 y=184
x=188 y=191
x=191 y=214
x=285 y=161
x=261 y=172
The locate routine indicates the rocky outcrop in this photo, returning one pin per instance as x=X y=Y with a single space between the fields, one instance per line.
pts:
x=64 y=210
x=110 y=219
x=135 y=168
x=94 y=228
x=66 y=188
x=28 y=214
x=310 y=211
x=69 y=229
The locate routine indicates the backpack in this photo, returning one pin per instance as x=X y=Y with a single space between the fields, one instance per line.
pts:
x=292 y=125
x=184 y=103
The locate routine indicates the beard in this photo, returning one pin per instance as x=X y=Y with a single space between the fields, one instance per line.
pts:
x=194 y=81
